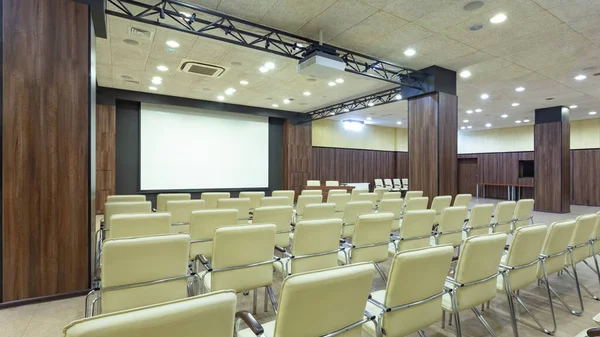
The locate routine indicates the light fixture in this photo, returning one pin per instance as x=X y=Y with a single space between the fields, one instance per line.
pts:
x=469 y=127
x=186 y=14
x=332 y=113
x=410 y=52
x=162 y=68
x=263 y=69
x=572 y=106
x=244 y=82
x=478 y=110
x=515 y=104
x=398 y=97
x=221 y=98
x=172 y=44
x=526 y=121
x=346 y=110
x=339 y=80
x=332 y=84
x=153 y=88
x=157 y=80
x=504 y=116
x=488 y=125
x=469 y=111
x=519 y=89
x=354 y=125
x=275 y=105
x=369 y=118
x=518 y=121
x=269 y=65
x=286 y=101
x=580 y=77
x=306 y=93
x=230 y=91
x=592 y=113
x=485 y=96
x=371 y=104
x=465 y=121
x=465 y=74
x=498 y=18
x=463 y=127
x=368 y=122
x=399 y=122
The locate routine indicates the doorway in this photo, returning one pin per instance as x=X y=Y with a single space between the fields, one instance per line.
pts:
x=468 y=175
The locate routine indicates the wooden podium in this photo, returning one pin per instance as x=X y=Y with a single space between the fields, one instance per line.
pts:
x=326 y=189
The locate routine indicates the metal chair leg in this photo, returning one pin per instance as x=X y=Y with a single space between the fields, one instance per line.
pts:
x=254 y=297
x=443 y=319
x=422 y=333
x=449 y=319
x=266 y=300
x=381 y=273
x=511 y=305
x=272 y=298
x=456 y=313
x=584 y=287
x=484 y=322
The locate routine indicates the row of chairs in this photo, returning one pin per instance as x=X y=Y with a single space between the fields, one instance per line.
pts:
x=395 y=184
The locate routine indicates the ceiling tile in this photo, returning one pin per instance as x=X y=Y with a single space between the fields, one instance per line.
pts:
x=252 y=10
x=291 y=15
x=368 y=31
x=411 y=10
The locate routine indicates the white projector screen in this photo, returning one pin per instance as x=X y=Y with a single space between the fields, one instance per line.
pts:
x=195 y=149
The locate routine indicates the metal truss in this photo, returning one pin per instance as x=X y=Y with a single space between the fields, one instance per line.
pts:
x=200 y=21
x=378 y=98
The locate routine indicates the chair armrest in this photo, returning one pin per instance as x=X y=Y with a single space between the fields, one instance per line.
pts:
x=204 y=261
x=280 y=249
x=251 y=322
x=453 y=282
x=594 y=332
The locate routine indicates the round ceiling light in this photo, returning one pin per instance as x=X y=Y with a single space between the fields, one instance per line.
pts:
x=465 y=74
x=498 y=18
x=475 y=27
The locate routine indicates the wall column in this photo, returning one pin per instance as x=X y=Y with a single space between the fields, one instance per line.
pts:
x=297 y=155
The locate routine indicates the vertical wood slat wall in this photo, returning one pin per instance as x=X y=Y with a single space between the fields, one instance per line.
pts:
x=297 y=155
x=552 y=178
x=105 y=154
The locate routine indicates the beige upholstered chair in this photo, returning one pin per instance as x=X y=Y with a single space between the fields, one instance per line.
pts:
x=280 y=216
x=340 y=201
x=370 y=241
x=579 y=248
x=518 y=269
x=316 y=246
x=341 y=293
x=142 y=271
x=391 y=195
x=405 y=184
x=380 y=191
x=438 y=204
x=304 y=200
x=480 y=220
x=291 y=194
x=502 y=221
x=213 y=314
x=413 y=295
x=387 y=183
x=254 y=197
x=332 y=183
x=356 y=192
x=133 y=225
x=397 y=183
x=523 y=213
x=203 y=225
x=241 y=204
x=181 y=210
x=353 y=210
x=242 y=260
x=275 y=201
x=595 y=245
x=591 y=332
x=336 y=191
x=450 y=229
x=318 y=212
x=126 y=198
x=212 y=198
x=475 y=277
x=313 y=183
x=412 y=194
x=163 y=198
x=415 y=231
x=463 y=200
x=312 y=192
x=378 y=183
x=372 y=197
x=392 y=206
x=416 y=204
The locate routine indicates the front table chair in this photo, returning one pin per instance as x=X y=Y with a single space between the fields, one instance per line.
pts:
x=212 y=198
x=163 y=198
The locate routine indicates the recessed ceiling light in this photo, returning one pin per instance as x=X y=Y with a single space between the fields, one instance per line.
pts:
x=592 y=113
x=504 y=116
x=463 y=127
x=488 y=125
x=346 y=110
x=186 y=14
x=333 y=113
x=469 y=111
x=371 y=104
x=519 y=89
x=572 y=106
x=230 y=91
x=221 y=98
x=162 y=68
x=263 y=69
x=478 y=110
x=475 y=27
x=153 y=88
x=270 y=65
x=515 y=104
x=275 y=105
x=244 y=82
x=398 y=97
x=526 y=121
x=399 y=122
x=498 y=18
x=465 y=121
x=369 y=118
x=580 y=77
x=465 y=74
x=286 y=101
x=518 y=121
x=306 y=93
x=473 y=5
x=173 y=44
x=331 y=84
x=469 y=127
x=410 y=52
x=157 y=80
x=485 y=96
x=339 y=80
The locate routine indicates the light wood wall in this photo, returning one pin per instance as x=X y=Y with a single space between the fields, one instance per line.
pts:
x=331 y=133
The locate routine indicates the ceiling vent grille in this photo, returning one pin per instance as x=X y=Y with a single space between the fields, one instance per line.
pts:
x=139 y=32
x=202 y=69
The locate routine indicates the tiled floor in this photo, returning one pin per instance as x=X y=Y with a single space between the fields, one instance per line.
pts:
x=48 y=319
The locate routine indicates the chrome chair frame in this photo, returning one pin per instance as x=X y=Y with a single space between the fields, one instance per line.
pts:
x=575 y=278
x=493 y=225
x=543 y=259
x=593 y=253
x=437 y=234
x=514 y=222
x=348 y=248
x=286 y=268
x=396 y=240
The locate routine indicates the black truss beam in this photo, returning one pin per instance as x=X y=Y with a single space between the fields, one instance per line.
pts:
x=214 y=25
x=359 y=103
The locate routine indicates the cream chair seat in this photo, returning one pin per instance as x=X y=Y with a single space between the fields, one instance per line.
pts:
x=203 y=225
x=254 y=197
x=133 y=225
x=438 y=204
x=163 y=198
x=415 y=231
x=392 y=206
x=290 y=194
x=378 y=183
x=372 y=197
x=336 y=191
x=212 y=198
x=332 y=183
x=180 y=211
x=412 y=194
x=304 y=200
x=415 y=204
x=275 y=201
x=353 y=210
x=340 y=200
x=480 y=220
x=313 y=183
x=126 y=198
x=463 y=200
x=502 y=219
x=318 y=212
x=280 y=216
x=356 y=192
x=241 y=204
x=413 y=296
x=312 y=192
x=391 y=195
x=450 y=229
x=388 y=184
x=523 y=213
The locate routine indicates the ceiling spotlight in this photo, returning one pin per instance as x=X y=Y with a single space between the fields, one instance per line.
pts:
x=519 y=89
x=580 y=77
x=286 y=101
x=485 y=96
x=270 y=65
x=306 y=93
x=410 y=52
x=230 y=91
x=346 y=110
x=592 y=113
x=221 y=98
x=515 y=104
x=369 y=118
x=331 y=84
x=398 y=97
x=518 y=121
x=332 y=113
x=339 y=80
x=172 y=44
x=465 y=74
x=162 y=68
x=263 y=69
x=526 y=121
x=244 y=82
x=465 y=121
x=498 y=18
x=488 y=125
x=399 y=122
x=572 y=106
x=185 y=14
x=371 y=104
x=152 y=88
x=463 y=127
x=157 y=80
x=478 y=110
x=275 y=105
x=469 y=111
x=469 y=127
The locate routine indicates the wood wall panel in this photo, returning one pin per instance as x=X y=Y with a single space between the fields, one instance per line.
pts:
x=586 y=177
x=448 y=144
x=401 y=165
x=45 y=148
x=549 y=169
x=105 y=154
x=297 y=155
x=423 y=144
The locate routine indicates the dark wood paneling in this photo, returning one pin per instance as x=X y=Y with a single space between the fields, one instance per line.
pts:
x=550 y=167
x=423 y=144
x=468 y=175
x=297 y=155
x=586 y=177
x=448 y=143
x=323 y=162
x=105 y=154
x=565 y=191
x=401 y=165
x=45 y=148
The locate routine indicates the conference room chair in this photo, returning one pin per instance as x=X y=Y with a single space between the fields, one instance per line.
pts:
x=378 y=183
x=353 y=210
x=387 y=183
x=412 y=194
x=336 y=191
x=503 y=215
x=313 y=183
x=290 y=194
x=450 y=229
x=405 y=184
x=213 y=314
x=370 y=241
x=341 y=294
x=438 y=204
x=340 y=201
x=311 y=192
x=280 y=216
x=392 y=206
x=579 y=248
x=126 y=198
x=332 y=183
x=595 y=246
x=372 y=197
x=480 y=220
x=413 y=296
x=180 y=211
x=318 y=212
x=591 y=332
x=391 y=195
x=356 y=192
x=316 y=246
x=380 y=191
x=254 y=197
x=134 y=225
x=203 y=225
x=416 y=204
x=518 y=269
x=275 y=201
x=475 y=278
x=163 y=198
x=463 y=200
x=212 y=198
x=523 y=213
x=304 y=200
x=397 y=183
x=242 y=260
x=142 y=271
x=242 y=205
x=415 y=231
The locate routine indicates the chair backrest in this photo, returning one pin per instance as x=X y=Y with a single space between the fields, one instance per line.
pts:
x=503 y=216
x=392 y=195
x=356 y=192
x=311 y=192
x=241 y=204
x=478 y=260
x=524 y=211
x=126 y=198
x=372 y=197
x=411 y=194
x=291 y=194
x=380 y=191
x=318 y=211
x=134 y=225
x=163 y=198
x=378 y=183
x=213 y=314
x=451 y=225
x=340 y=200
x=392 y=206
x=595 y=236
x=112 y=208
x=388 y=183
x=525 y=248
x=182 y=209
x=341 y=293
x=254 y=197
x=131 y=261
x=313 y=183
x=203 y=225
x=275 y=201
x=332 y=183
x=584 y=226
x=353 y=210
x=463 y=200
x=415 y=231
x=405 y=182
x=440 y=202
x=212 y=198
x=280 y=216
x=556 y=241
x=314 y=237
x=336 y=191
x=410 y=282
x=241 y=246
x=304 y=200
x=397 y=182
x=416 y=204
x=371 y=229
x=481 y=216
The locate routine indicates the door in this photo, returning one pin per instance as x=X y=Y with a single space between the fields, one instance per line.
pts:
x=468 y=175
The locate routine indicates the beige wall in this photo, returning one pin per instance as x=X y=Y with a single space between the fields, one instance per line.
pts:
x=331 y=133
x=585 y=134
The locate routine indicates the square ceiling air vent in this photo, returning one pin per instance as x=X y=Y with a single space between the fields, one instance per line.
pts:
x=139 y=32
x=201 y=68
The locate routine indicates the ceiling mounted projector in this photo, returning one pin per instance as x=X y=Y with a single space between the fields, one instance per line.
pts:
x=321 y=61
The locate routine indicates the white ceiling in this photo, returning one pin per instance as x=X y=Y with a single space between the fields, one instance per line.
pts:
x=541 y=46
